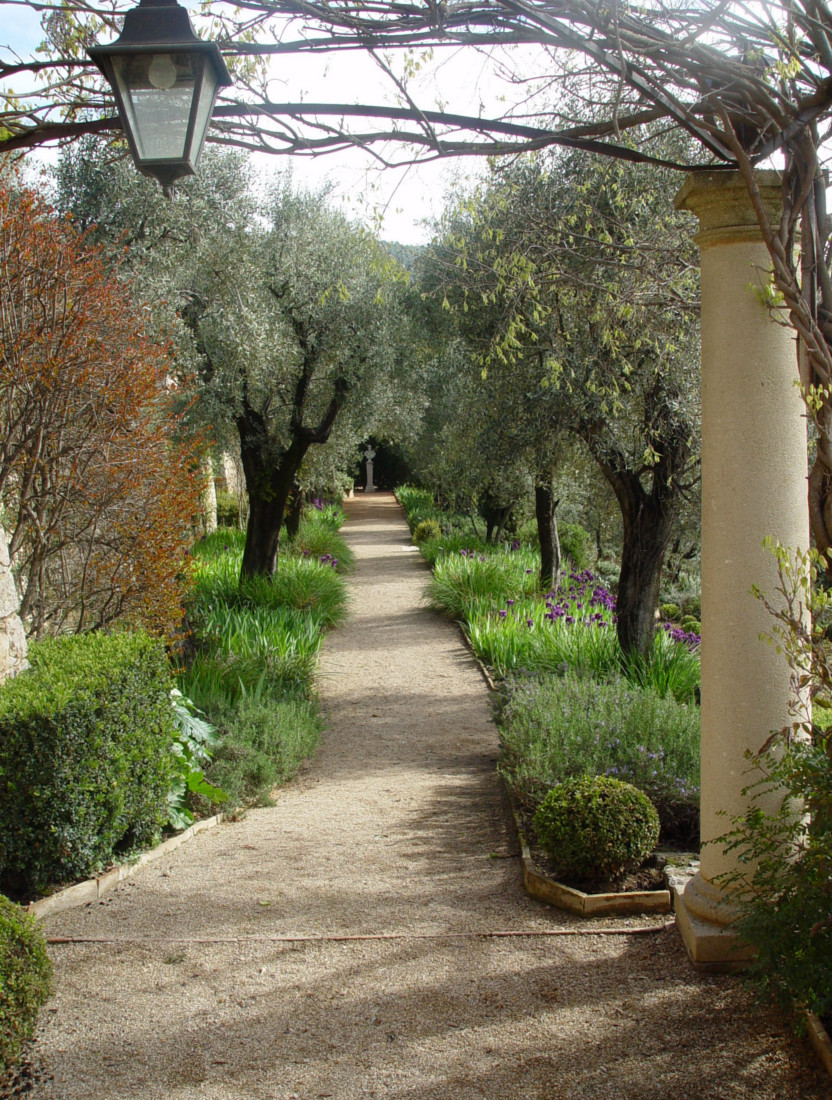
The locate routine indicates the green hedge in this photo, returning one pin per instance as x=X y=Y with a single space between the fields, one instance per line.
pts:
x=85 y=757
x=25 y=979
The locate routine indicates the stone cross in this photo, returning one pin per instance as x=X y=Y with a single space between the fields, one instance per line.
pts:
x=370 y=454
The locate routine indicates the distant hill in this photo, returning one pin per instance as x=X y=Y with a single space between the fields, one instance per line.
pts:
x=405 y=254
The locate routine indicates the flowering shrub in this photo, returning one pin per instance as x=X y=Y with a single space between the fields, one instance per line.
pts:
x=682 y=636
x=512 y=627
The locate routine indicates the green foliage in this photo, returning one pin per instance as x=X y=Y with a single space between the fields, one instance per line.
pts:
x=425 y=530
x=554 y=728
x=228 y=509
x=262 y=744
x=243 y=643
x=783 y=843
x=562 y=275
x=510 y=645
x=302 y=583
x=256 y=645
x=596 y=828
x=512 y=627
x=25 y=979
x=576 y=544
x=191 y=752
x=692 y=625
x=445 y=545
x=672 y=668
x=692 y=606
x=418 y=505
x=85 y=757
x=319 y=539
x=466 y=583
x=670 y=612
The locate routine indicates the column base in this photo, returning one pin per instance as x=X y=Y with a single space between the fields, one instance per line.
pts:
x=703 y=919
x=370 y=489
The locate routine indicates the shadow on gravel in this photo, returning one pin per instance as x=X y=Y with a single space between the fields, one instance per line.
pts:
x=584 y=1018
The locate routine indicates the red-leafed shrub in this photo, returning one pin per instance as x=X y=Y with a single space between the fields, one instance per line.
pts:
x=97 y=480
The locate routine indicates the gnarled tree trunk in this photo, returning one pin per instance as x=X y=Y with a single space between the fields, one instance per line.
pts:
x=545 y=507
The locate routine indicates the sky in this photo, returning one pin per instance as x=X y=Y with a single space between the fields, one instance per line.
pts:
x=405 y=199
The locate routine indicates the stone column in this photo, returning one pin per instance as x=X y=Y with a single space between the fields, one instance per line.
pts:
x=208 y=496
x=13 y=646
x=754 y=472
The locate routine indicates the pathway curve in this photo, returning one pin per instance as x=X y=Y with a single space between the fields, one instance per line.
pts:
x=396 y=829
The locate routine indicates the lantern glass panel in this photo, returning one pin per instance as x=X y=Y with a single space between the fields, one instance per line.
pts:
x=204 y=107
x=157 y=90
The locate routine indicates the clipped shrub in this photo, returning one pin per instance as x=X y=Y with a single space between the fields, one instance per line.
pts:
x=670 y=612
x=691 y=625
x=597 y=828
x=85 y=757
x=25 y=979
x=228 y=509
x=692 y=605
x=427 y=529
x=576 y=544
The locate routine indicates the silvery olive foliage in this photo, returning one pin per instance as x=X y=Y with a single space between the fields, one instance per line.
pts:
x=571 y=283
x=289 y=320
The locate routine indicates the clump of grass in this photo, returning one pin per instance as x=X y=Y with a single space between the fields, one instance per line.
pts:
x=302 y=582
x=454 y=543
x=555 y=728
x=263 y=742
x=468 y=582
x=320 y=541
x=511 y=626
x=418 y=505
x=255 y=648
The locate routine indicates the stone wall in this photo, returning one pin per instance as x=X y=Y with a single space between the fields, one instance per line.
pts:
x=12 y=637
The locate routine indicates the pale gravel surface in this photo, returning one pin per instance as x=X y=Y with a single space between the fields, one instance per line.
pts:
x=393 y=828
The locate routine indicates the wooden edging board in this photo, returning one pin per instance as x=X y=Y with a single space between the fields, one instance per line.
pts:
x=82 y=893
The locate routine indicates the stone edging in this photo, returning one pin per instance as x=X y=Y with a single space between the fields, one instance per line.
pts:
x=820 y=1040
x=82 y=893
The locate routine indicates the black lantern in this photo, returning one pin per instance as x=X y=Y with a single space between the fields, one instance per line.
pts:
x=165 y=81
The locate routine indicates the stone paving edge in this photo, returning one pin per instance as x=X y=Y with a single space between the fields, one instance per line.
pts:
x=83 y=893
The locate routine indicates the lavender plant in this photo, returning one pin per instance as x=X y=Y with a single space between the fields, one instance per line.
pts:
x=554 y=728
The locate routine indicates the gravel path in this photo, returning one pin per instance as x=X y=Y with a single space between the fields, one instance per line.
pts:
x=396 y=829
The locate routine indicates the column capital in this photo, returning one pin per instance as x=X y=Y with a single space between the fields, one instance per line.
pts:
x=721 y=202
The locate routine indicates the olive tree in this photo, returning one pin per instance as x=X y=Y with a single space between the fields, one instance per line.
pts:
x=573 y=279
